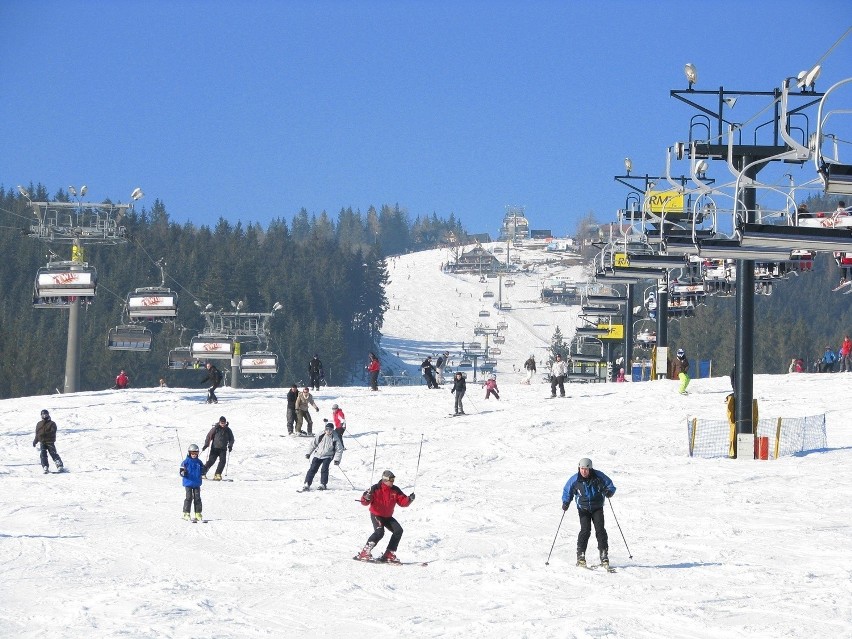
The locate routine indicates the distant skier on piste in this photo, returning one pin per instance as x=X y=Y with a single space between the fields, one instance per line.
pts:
x=382 y=498
x=326 y=447
x=214 y=377
x=459 y=388
x=315 y=371
x=192 y=471
x=588 y=488
x=45 y=434
x=219 y=439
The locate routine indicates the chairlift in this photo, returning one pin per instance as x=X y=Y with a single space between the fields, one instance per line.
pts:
x=151 y=303
x=509 y=283
x=259 y=363
x=473 y=345
x=488 y=294
x=212 y=346
x=484 y=313
x=465 y=364
x=499 y=339
x=490 y=362
x=66 y=279
x=486 y=368
x=130 y=338
x=495 y=350
x=181 y=358
x=502 y=326
x=53 y=302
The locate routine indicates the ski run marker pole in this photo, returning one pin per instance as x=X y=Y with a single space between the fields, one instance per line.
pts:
x=177 y=434
x=375 y=449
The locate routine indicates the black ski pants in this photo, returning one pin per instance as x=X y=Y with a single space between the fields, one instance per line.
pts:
x=586 y=520
x=46 y=448
x=379 y=525
x=315 y=380
x=221 y=454
x=291 y=419
x=211 y=394
x=192 y=495
x=557 y=380
x=489 y=392
x=458 y=404
x=316 y=462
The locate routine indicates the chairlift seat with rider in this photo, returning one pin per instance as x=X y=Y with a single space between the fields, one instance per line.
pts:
x=181 y=358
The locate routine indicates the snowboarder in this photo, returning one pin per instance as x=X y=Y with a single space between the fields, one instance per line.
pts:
x=681 y=370
x=45 y=435
x=219 y=439
x=588 y=487
x=439 y=366
x=292 y=394
x=490 y=387
x=529 y=366
x=558 y=371
x=214 y=377
x=122 y=381
x=304 y=401
x=459 y=388
x=315 y=371
x=373 y=368
x=192 y=471
x=382 y=498
x=326 y=446
x=428 y=370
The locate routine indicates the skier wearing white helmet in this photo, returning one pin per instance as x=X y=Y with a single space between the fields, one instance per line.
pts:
x=588 y=488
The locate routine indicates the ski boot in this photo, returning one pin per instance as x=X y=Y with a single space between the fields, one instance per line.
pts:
x=321 y=487
x=605 y=558
x=217 y=477
x=306 y=487
x=198 y=517
x=389 y=557
x=366 y=553
x=186 y=516
x=581 y=559
x=46 y=469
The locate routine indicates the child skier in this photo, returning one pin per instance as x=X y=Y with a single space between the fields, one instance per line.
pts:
x=382 y=498
x=490 y=387
x=339 y=420
x=192 y=471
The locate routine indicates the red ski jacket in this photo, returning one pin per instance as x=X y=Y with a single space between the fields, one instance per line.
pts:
x=384 y=499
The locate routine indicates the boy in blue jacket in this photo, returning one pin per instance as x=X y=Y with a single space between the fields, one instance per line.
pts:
x=588 y=488
x=192 y=470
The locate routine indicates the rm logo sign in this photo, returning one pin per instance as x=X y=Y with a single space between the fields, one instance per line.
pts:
x=621 y=260
x=668 y=202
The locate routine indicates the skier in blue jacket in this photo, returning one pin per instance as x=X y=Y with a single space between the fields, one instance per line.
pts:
x=588 y=488
x=192 y=471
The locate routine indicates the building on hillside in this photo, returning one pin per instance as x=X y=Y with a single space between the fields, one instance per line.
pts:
x=476 y=260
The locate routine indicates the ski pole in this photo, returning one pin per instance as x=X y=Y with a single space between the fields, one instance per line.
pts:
x=619 y=528
x=227 y=459
x=417 y=470
x=347 y=478
x=547 y=563
x=177 y=434
x=375 y=449
x=472 y=404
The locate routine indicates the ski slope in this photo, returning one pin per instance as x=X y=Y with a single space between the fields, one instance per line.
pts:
x=720 y=548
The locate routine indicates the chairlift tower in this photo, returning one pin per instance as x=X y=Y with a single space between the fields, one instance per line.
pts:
x=77 y=224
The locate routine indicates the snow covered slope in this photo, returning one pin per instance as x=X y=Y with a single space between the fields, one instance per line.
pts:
x=720 y=548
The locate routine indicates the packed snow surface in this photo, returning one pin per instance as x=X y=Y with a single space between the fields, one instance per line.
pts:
x=720 y=548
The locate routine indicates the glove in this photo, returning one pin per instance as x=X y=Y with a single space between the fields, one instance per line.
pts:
x=565 y=505
x=316 y=408
x=367 y=496
x=308 y=456
x=183 y=472
x=34 y=444
x=205 y=447
x=230 y=448
x=337 y=463
x=607 y=494
x=411 y=497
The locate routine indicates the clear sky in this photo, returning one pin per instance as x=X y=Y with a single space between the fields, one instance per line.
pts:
x=253 y=110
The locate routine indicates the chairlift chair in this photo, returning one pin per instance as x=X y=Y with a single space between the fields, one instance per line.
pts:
x=488 y=294
x=66 y=279
x=502 y=326
x=499 y=339
x=259 y=363
x=151 y=303
x=132 y=337
x=211 y=346
x=484 y=313
x=181 y=358
x=494 y=350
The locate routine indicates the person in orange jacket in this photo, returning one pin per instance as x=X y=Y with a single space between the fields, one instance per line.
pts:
x=382 y=498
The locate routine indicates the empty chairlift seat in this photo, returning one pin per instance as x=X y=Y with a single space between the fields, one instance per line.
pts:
x=259 y=363
x=212 y=347
x=485 y=313
x=181 y=358
x=130 y=338
x=151 y=303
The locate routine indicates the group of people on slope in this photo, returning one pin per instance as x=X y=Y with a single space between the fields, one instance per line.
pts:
x=434 y=373
x=831 y=361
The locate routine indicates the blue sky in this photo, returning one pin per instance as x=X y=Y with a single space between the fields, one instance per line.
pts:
x=253 y=110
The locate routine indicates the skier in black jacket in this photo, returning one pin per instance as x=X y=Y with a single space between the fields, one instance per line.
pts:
x=46 y=436
x=315 y=371
x=429 y=372
x=292 y=394
x=214 y=378
x=219 y=439
x=459 y=388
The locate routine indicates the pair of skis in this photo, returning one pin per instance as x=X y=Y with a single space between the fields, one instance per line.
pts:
x=391 y=563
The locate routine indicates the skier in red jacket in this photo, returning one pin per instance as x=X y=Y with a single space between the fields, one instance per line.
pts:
x=382 y=499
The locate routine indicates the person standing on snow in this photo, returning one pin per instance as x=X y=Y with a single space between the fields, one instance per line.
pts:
x=588 y=488
x=219 y=439
x=490 y=387
x=292 y=394
x=339 y=420
x=214 y=378
x=681 y=370
x=304 y=401
x=382 y=498
x=558 y=371
x=459 y=388
x=429 y=372
x=122 y=381
x=529 y=366
x=326 y=446
x=45 y=434
x=845 y=353
x=373 y=368
x=315 y=371
x=439 y=366
x=192 y=471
